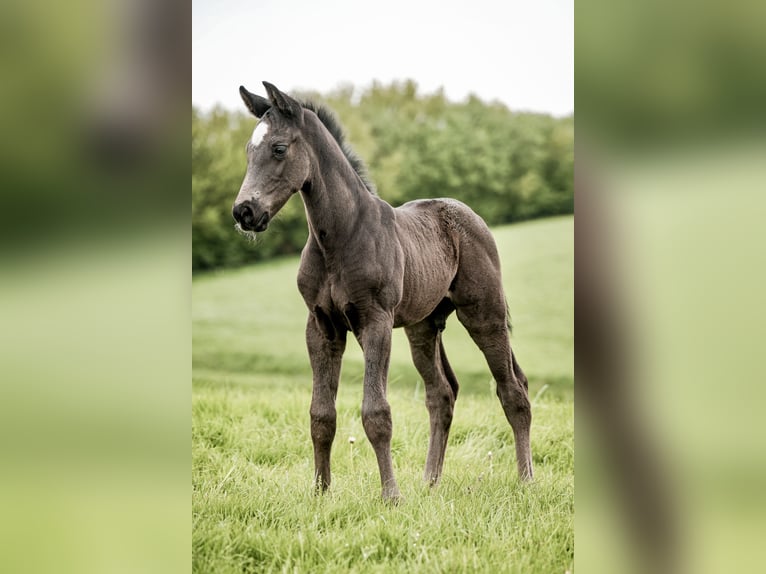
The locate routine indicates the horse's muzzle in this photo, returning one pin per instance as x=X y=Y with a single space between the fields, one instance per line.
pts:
x=245 y=215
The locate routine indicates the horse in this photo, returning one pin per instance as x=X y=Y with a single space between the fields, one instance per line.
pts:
x=368 y=268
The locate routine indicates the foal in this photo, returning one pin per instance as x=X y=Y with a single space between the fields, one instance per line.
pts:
x=368 y=268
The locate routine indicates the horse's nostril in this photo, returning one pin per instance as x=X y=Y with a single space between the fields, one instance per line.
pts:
x=243 y=214
x=263 y=221
x=247 y=215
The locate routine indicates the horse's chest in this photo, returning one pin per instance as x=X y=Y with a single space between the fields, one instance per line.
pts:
x=339 y=294
x=365 y=282
x=347 y=299
x=322 y=289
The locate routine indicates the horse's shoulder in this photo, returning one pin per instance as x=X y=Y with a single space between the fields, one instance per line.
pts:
x=312 y=268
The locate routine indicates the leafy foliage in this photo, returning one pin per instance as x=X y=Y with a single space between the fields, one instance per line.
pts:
x=508 y=166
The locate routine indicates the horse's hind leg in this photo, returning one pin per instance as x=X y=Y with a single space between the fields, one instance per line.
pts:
x=440 y=384
x=485 y=319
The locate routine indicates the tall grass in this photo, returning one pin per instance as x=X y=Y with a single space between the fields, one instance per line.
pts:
x=254 y=509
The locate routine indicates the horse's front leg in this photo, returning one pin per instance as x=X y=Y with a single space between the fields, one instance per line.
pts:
x=375 y=339
x=325 y=346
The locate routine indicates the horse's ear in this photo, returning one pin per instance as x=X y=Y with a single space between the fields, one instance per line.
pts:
x=256 y=104
x=284 y=103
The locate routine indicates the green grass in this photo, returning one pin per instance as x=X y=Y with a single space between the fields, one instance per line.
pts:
x=253 y=505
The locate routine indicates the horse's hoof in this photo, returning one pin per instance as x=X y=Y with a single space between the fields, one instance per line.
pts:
x=432 y=481
x=392 y=496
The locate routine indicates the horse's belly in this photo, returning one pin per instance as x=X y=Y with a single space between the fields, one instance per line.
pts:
x=422 y=292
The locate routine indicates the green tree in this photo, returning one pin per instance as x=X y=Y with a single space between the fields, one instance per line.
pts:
x=506 y=165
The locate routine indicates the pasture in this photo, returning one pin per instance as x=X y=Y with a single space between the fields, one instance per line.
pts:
x=253 y=506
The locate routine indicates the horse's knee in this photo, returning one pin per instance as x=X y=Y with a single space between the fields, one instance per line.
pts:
x=376 y=420
x=323 y=424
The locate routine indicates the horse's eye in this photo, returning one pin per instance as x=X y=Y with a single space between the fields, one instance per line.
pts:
x=279 y=150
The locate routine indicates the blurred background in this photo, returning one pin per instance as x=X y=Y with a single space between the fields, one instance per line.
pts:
x=669 y=281
x=94 y=286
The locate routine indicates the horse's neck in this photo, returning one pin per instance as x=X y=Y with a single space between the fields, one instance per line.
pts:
x=334 y=208
x=335 y=201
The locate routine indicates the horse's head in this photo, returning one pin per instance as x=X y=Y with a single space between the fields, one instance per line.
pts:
x=277 y=159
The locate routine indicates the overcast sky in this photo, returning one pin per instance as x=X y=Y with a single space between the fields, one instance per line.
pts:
x=520 y=52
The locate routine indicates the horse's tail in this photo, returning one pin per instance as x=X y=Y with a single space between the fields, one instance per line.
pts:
x=448 y=372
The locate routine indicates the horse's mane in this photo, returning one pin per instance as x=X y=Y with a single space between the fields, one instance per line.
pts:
x=327 y=117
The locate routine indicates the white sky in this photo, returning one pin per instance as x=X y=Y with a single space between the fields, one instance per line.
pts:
x=520 y=52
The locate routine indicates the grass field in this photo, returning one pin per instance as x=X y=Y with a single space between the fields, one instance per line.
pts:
x=253 y=505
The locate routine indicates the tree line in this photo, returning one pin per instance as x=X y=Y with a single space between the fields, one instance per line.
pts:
x=508 y=166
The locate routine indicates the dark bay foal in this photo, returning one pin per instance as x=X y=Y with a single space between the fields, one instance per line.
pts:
x=368 y=268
